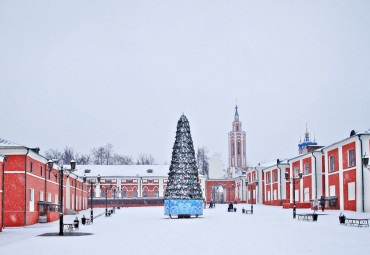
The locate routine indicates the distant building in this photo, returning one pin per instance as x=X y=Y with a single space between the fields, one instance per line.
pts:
x=307 y=145
x=237 y=148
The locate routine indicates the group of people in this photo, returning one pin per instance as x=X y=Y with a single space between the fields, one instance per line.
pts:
x=316 y=204
x=322 y=203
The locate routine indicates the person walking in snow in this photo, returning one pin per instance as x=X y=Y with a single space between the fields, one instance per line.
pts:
x=322 y=203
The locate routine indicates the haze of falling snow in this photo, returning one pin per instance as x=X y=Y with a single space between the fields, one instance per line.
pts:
x=85 y=73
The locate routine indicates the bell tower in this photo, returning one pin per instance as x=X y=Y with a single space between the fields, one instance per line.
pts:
x=237 y=144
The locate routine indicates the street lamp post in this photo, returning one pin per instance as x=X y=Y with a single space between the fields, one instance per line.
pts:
x=293 y=179
x=91 y=196
x=73 y=167
x=114 y=199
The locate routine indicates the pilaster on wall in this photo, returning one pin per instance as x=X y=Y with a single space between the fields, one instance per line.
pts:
x=340 y=167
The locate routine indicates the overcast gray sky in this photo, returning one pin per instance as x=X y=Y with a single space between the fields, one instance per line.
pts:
x=85 y=73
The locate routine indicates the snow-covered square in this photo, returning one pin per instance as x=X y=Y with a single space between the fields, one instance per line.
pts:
x=145 y=230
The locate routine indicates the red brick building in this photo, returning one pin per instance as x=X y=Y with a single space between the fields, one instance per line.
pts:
x=31 y=191
x=128 y=185
x=3 y=161
x=347 y=178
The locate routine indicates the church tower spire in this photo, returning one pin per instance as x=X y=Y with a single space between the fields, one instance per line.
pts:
x=237 y=144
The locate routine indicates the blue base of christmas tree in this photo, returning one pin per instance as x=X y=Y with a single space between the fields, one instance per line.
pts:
x=183 y=207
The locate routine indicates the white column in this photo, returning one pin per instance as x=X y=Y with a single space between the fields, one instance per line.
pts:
x=340 y=168
x=326 y=174
x=301 y=189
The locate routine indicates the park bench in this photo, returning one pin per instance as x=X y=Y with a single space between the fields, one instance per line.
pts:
x=71 y=226
x=247 y=211
x=307 y=217
x=356 y=222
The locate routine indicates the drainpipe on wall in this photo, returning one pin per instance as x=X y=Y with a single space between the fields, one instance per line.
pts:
x=76 y=194
x=3 y=196
x=362 y=177
x=25 y=188
x=45 y=182
x=281 y=193
x=315 y=174
x=258 y=191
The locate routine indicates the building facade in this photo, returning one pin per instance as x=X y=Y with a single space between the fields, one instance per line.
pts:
x=338 y=172
x=31 y=191
x=128 y=185
x=3 y=161
x=347 y=177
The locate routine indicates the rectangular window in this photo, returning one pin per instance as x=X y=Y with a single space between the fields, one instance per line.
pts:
x=49 y=197
x=56 y=199
x=41 y=195
x=297 y=195
x=275 y=194
x=145 y=193
x=268 y=178
x=307 y=195
x=296 y=171
x=129 y=181
x=124 y=193
x=254 y=176
x=31 y=168
x=307 y=168
x=275 y=177
x=156 y=193
x=351 y=158
x=41 y=172
x=332 y=190
x=268 y=196
x=332 y=164
x=351 y=191
x=32 y=200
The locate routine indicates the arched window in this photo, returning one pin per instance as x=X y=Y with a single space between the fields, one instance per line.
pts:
x=232 y=149
x=238 y=148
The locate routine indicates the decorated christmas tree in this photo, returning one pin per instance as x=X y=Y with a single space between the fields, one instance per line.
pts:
x=183 y=193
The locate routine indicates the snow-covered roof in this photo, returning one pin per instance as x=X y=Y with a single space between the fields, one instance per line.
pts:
x=356 y=133
x=6 y=143
x=122 y=170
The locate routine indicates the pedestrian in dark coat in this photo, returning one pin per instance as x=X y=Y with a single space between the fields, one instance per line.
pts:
x=322 y=203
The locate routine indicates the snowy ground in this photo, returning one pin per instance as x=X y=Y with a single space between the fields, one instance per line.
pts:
x=145 y=230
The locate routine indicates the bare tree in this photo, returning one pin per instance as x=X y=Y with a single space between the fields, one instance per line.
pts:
x=145 y=159
x=108 y=153
x=98 y=155
x=122 y=160
x=67 y=155
x=53 y=154
x=83 y=159
x=202 y=160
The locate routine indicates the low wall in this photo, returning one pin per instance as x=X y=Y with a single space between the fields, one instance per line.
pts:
x=126 y=202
